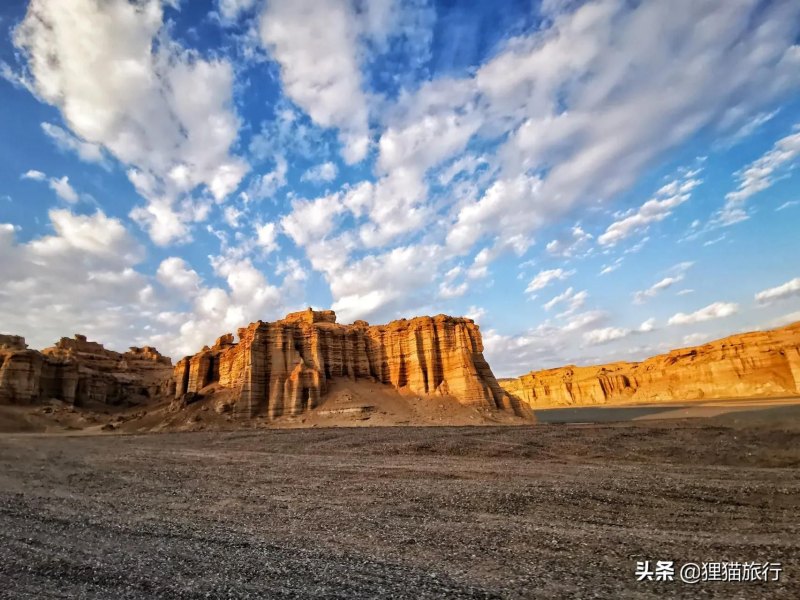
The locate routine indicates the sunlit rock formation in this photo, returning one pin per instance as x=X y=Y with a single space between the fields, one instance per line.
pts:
x=78 y=371
x=283 y=367
x=757 y=364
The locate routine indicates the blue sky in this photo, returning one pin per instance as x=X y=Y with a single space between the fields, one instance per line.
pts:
x=589 y=181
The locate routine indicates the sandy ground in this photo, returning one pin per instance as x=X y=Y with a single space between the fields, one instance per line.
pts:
x=560 y=511
x=347 y=404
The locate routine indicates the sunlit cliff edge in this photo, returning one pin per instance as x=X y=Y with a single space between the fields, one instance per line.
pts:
x=760 y=364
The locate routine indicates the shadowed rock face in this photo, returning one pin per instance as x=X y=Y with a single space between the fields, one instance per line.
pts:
x=758 y=364
x=79 y=371
x=283 y=367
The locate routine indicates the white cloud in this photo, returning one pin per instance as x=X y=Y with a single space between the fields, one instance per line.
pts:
x=717 y=310
x=566 y=93
x=760 y=174
x=80 y=277
x=264 y=187
x=60 y=185
x=149 y=114
x=569 y=245
x=585 y=319
x=612 y=267
x=384 y=284
x=695 y=338
x=678 y=273
x=174 y=273
x=316 y=46
x=64 y=190
x=648 y=325
x=232 y=215
x=325 y=172
x=669 y=197
x=311 y=220
x=605 y=335
x=505 y=207
x=781 y=292
x=452 y=291
x=748 y=128
x=572 y=299
x=642 y=296
x=34 y=175
x=543 y=278
x=788 y=204
x=69 y=143
x=231 y=10
x=476 y=313
x=266 y=237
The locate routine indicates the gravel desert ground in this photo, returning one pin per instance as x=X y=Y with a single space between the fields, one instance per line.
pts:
x=554 y=510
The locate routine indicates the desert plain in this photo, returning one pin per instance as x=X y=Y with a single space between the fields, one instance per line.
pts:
x=311 y=459
x=560 y=510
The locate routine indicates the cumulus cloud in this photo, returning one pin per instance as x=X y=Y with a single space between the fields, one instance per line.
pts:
x=64 y=190
x=60 y=185
x=317 y=48
x=267 y=237
x=570 y=244
x=264 y=187
x=148 y=115
x=786 y=290
x=551 y=112
x=34 y=175
x=325 y=172
x=175 y=273
x=544 y=278
x=571 y=300
x=69 y=143
x=82 y=276
x=231 y=10
x=605 y=335
x=717 y=310
x=567 y=93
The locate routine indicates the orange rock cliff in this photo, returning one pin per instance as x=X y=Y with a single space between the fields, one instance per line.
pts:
x=283 y=368
x=78 y=371
x=757 y=364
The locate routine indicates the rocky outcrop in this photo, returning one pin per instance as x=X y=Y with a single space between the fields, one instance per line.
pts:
x=757 y=364
x=78 y=371
x=283 y=367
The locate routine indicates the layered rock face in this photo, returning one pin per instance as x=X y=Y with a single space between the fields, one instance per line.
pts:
x=283 y=367
x=79 y=371
x=758 y=364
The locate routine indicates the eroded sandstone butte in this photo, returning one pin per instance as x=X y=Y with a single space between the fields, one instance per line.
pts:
x=282 y=368
x=748 y=365
x=78 y=371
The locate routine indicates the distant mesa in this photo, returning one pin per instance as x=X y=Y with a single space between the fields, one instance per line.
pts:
x=275 y=369
x=285 y=367
x=761 y=364
x=78 y=372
